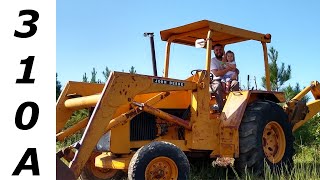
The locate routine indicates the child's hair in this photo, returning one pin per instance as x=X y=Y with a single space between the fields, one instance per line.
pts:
x=234 y=58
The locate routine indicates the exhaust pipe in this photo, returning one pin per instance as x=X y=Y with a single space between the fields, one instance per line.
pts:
x=153 y=53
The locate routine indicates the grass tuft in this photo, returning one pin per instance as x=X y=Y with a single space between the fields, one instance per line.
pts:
x=306 y=167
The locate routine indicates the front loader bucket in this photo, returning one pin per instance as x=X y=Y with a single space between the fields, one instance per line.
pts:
x=63 y=172
x=119 y=90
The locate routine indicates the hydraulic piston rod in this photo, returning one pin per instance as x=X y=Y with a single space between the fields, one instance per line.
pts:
x=82 y=102
x=163 y=115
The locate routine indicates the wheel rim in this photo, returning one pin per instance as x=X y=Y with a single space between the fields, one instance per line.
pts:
x=274 y=142
x=161 y=168
x=102 y=173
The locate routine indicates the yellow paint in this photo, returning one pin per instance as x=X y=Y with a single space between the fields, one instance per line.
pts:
x=210 y=131
x=274 y=142
x=176 y=100
x=231 y=117
x=119 y=91
x=73 y=88
x=107 y=161
x=166 y=60
x=161 y=168
x=224 y=34
x=82 y=102
x=120 y=135
x=315 y=90
x=208 y=52
x=80 y=125
x=201 y=137
x=266 y=66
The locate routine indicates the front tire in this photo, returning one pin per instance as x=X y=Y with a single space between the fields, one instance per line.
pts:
x=159 y=160
x=265 y=135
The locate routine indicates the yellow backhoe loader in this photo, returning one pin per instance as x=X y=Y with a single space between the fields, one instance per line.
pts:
x=147 y=126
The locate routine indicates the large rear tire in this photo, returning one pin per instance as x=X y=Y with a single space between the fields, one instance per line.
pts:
x=159 y=160
x=265 y=135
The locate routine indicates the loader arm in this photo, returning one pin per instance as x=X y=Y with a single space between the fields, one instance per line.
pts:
x=120 y=89
x=72 y=89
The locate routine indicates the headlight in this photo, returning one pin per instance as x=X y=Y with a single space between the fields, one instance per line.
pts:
x=103 y=144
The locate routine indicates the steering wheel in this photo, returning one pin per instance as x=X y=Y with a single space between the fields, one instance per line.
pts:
x=193 y=72
x=211 y=76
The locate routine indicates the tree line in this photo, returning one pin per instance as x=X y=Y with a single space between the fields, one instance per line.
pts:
x=278 y=76
x=106 y=72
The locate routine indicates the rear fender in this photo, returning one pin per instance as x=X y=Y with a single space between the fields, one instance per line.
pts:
x=232 y=115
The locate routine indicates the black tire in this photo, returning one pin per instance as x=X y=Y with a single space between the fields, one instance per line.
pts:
x=252 y=156
x=90 y=172
x=142 y=158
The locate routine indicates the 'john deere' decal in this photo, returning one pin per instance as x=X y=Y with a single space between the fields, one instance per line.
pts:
x=167 y=82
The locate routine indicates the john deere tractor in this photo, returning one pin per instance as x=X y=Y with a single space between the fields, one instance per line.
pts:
x=147 y=127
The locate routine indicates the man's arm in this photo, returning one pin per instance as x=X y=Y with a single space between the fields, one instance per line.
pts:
x=221 y=72
x=232 y=65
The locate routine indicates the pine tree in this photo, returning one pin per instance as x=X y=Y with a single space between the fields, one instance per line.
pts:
x=58 y=87
x=132 y=70
x=290 y=92
x=106 y=73
x=278 y=75
x=85 y=78
x=93 y=76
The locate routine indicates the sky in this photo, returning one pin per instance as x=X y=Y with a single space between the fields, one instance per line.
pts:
x=100 y=33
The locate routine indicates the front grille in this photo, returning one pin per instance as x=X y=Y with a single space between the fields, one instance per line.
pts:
x=143 y=127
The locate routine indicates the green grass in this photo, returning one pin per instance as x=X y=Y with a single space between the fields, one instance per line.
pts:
x=306 y=167
x=306 y=160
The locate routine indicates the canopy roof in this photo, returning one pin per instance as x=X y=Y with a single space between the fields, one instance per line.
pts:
x=222 y=34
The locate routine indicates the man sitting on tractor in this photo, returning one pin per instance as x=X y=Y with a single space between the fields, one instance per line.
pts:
x=218 y=70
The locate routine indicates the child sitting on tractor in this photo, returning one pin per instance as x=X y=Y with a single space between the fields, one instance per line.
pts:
x=229 y=60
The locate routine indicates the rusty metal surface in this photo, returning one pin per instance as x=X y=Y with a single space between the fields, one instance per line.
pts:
x=231 y=117
x=202 y=136
x=300 y=113
x=234 y=108
x=314 y=108
x=120 y=90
